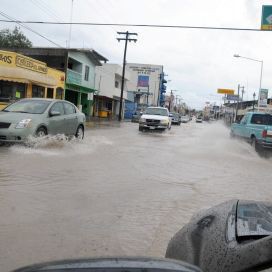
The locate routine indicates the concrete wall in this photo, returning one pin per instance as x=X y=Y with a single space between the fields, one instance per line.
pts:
x=153 y=71
x=81 y=57
x=105 y=77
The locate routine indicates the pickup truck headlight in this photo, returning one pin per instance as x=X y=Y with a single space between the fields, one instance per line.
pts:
x=142 y=120
x=25 y=123
x=165 y=122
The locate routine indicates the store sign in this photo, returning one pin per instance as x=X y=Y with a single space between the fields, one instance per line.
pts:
x=266 y=18
x=225 y=91
x=145 y=70
x=263 y=95
x=30 y=64
x=4 y=58
x=90 y=96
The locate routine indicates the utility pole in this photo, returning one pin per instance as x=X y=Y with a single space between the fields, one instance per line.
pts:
x=170 y=100
x=237 y=105
x=70 y=29
x=147 y=101
x=126 y=39
x=243 y=91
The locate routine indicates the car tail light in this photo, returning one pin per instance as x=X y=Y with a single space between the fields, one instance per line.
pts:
x=264 y=134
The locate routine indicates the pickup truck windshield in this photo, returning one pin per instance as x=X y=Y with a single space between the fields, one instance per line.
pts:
x=262 y=119
x=156 y=111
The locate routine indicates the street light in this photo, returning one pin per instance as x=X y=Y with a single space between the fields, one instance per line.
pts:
x=261 y=61
x=254 y=100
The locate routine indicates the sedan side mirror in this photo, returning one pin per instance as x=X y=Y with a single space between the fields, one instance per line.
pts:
x=54 y=113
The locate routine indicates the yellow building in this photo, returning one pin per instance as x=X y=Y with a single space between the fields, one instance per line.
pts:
x=24 y=77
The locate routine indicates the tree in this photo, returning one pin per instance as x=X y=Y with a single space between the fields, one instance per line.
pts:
x=14 y=38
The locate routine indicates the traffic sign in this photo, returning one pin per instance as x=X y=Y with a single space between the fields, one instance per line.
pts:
x=225 y=91
x=266 y=18
x=233 y=97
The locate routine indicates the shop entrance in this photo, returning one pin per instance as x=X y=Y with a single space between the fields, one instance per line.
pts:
x=71 y=96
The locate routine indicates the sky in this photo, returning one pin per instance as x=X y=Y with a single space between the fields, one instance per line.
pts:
x=197 y=62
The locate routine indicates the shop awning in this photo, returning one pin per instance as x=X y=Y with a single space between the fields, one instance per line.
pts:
x=17 y=74
x=78 y=88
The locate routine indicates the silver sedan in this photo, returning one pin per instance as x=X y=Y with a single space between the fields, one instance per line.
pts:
x=39 y=117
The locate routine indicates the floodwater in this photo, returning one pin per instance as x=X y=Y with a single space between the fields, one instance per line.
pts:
x=119 y=192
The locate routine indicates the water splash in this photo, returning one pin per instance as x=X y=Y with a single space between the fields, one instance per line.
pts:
x=59 y=145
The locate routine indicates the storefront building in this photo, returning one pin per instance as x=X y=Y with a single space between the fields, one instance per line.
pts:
x=79 y=68
x=24 y=77
x=108 y=81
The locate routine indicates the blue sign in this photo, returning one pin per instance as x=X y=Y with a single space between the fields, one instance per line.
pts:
x=233 y=97
x=143 y=81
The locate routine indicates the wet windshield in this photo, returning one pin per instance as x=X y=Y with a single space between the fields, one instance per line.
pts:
x=28 y=106
x=91 y=162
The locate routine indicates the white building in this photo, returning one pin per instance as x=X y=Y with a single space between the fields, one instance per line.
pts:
x=108 y=80
x=144 y=82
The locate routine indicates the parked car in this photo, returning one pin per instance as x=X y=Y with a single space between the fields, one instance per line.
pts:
x=136 y=116
x=175 y=118
x=39 y=117
x=199 y=119
x=155 y=118
x=256 y=128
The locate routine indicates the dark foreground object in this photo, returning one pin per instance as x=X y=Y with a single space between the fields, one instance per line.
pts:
x=113 y=265
x=233 y=236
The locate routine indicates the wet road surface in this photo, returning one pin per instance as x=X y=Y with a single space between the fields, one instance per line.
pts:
x=119 y=192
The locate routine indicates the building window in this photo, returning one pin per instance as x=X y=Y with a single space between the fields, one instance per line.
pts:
x=38 y=91
x=116 y=84
x=86 y=76
x=11 y=91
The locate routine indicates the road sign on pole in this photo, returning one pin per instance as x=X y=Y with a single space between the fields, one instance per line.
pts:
x=233 y=97
x=266 y=18
x=225 y=91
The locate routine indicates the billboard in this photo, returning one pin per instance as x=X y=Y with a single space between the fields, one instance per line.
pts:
x=263 y=95
x=143 y=81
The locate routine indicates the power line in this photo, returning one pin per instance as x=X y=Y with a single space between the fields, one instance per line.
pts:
x=26 y=27
x=135 y=25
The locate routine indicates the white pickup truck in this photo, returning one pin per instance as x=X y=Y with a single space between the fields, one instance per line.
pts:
x=155 y=118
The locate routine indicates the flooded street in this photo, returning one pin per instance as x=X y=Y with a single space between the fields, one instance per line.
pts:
x=119 y=192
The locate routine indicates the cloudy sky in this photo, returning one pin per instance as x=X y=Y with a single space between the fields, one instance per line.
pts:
x=197 y=62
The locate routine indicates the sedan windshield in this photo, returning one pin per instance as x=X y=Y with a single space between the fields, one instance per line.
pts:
x=28 y=106
x=156 y=111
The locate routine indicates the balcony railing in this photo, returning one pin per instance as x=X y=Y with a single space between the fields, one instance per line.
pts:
x=73 y=77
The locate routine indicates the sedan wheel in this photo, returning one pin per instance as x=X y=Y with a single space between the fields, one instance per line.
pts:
x=41 y=132
x=80 y=133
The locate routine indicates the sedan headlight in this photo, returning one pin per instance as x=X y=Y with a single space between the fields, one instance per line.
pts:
x=165 y=122
x=142 y=120
x=25 y=123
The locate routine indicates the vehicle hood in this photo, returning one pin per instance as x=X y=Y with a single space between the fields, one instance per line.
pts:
x=154 y=117
x=15 y=117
